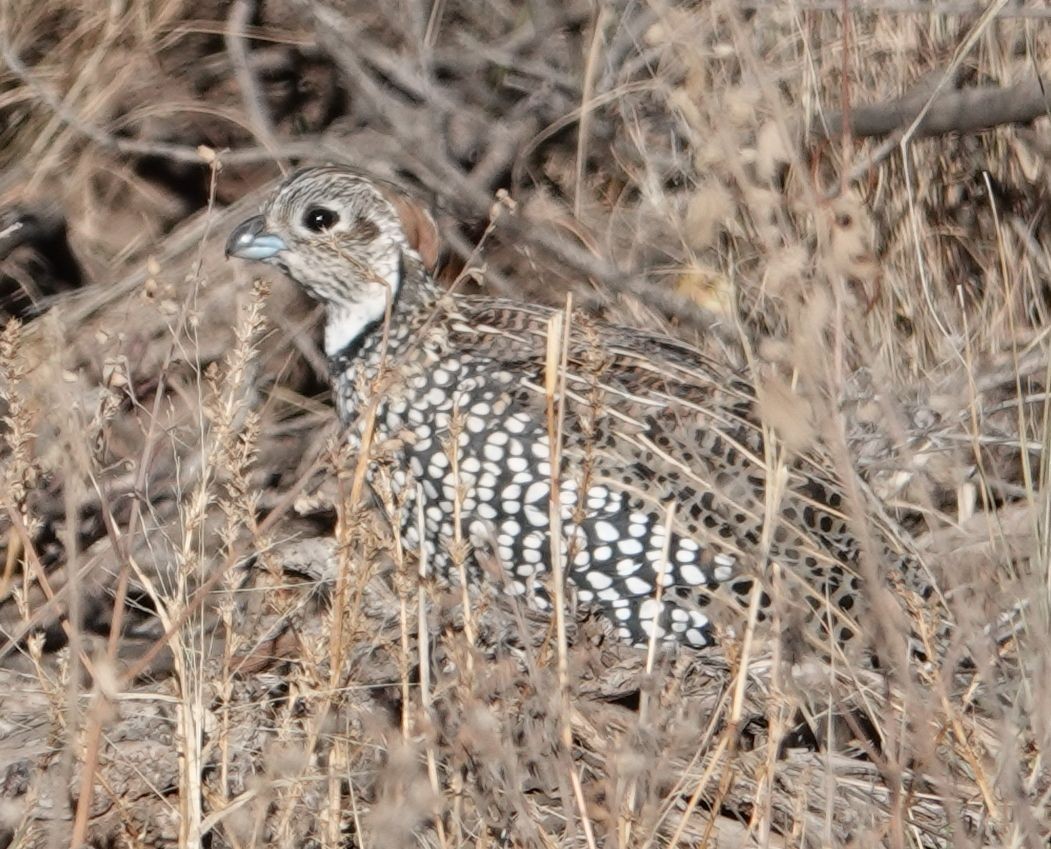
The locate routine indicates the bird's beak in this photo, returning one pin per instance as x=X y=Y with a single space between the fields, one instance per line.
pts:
x=249 y=240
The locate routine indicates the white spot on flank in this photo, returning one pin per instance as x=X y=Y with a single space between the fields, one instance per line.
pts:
x=535 y=516
x=517 y=464
x=516 y=424
x=631 y=547
x=693 y=576
x=536 y=493
x=696 y=638
x=649 y=627
x=596 y=503
x=650 y=609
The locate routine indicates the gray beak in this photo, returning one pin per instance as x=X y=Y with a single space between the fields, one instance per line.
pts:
x=249 y=240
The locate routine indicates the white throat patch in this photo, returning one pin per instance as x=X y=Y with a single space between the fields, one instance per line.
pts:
x=345 y=322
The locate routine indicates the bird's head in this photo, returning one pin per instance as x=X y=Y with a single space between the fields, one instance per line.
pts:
x=349 y=241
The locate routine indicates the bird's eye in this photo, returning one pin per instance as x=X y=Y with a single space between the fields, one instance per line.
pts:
x=318 y=219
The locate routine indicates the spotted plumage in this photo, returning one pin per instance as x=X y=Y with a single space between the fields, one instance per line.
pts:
x=654 y=435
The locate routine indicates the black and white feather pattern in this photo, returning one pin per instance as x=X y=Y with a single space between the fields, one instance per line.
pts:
x=655 y=437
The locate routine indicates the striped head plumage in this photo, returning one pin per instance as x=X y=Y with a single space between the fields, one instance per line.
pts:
x=347 y=240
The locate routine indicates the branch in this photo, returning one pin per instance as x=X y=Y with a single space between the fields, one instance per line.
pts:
x=954 y=111
x=254 y=102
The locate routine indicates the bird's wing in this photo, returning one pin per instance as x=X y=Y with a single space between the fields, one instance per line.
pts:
x=659 y=419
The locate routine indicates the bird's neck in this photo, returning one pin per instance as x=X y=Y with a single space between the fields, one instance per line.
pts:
x=354 y=330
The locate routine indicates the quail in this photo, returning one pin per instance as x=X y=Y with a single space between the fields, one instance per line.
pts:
x=660 y=481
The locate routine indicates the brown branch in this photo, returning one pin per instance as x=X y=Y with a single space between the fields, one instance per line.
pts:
x=952 y=111
x=910 y=7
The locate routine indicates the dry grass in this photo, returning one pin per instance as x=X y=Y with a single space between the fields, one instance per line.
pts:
x=208 y=635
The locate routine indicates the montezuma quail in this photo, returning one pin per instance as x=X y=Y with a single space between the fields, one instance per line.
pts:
x=648 y=422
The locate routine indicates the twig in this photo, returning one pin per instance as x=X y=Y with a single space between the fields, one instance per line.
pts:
x=584 y=125
x=958 y=111
x=908 y=7
x=252 y=98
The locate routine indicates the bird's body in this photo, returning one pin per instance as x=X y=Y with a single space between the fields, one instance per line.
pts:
x=466 y=393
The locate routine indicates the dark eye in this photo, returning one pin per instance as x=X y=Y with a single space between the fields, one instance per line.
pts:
x=318 y=219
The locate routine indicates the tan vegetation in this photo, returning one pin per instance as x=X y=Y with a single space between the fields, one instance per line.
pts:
x=207 y=636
